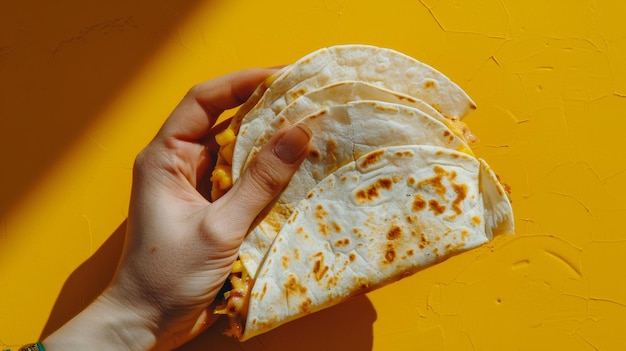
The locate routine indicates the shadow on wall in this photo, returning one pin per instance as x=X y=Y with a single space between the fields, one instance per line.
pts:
x=346 y=327
x=61 y=63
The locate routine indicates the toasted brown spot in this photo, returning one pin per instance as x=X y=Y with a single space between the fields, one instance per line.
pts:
x=285 y=261
x=332 y=281
x=342 y=242
x=323 y=228
x=461 y=194
x=320 y=212
x=293 y=286
x=370 y=193
x=418 y=203
x=263 y=291
x=296 y=94
x=405 y=97
x=305 y=306
x=410 y=252
x=429 y=84
x=390 y=253
x=476 y=220
x=386 y=108
x=352 y=257
x=293 y=217
x=331 y=146
x=464 y=235
x=371 y=158
x=437 y=208
x=436 y=182
x=367 y=195
x=336 y=227
x=385 y=183
x=423 y=241
x=361 y=283
x=319 y=268
x=277 y=217
x=404 y=153
x=314 y=154
x=394 y=233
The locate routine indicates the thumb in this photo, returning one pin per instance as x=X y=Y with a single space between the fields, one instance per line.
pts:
x=269 y=172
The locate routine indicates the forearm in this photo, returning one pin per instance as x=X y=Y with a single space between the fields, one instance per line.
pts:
x=104 y=325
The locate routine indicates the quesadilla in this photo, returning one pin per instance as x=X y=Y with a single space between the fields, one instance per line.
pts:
x=390 y=187
x=382 y=67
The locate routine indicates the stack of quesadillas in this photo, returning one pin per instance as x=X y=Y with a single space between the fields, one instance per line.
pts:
x=390 y=186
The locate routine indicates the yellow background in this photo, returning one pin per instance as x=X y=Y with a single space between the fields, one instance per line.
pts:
x=86 y=84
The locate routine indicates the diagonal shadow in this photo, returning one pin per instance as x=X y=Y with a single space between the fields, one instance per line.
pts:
x=346 y=327
x=61 y=63
x=86 y=282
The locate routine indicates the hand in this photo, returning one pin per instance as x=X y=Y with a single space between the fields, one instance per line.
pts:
x=180 y=247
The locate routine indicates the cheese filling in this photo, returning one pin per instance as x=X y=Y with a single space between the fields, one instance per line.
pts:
x=235 y=304
x=221 y=177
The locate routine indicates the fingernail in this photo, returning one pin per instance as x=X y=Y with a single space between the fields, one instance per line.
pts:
x=293 y=143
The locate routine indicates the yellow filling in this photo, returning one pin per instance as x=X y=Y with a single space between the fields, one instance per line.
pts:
x=225 y=137
x=222 y=174
x=222 y=177
x=235 y=304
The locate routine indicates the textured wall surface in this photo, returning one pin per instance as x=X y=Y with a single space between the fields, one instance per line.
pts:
x=86 y=84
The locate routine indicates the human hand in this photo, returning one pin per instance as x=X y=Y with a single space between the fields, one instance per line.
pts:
x=180 y=247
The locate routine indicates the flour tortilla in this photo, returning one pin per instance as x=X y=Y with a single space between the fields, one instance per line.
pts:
x=341 y=134
x=389 y=188
x=382 y=67
x=376 y=220
x=260 y=130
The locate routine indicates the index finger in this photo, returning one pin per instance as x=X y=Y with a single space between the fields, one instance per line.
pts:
x=204 y=103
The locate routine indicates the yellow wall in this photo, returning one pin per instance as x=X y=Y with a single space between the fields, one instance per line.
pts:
x=86 y=84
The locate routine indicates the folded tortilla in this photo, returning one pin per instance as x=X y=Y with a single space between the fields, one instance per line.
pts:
x=389 y=188
x=374 y=221
x=345 y=133
x=259 y=130
x=382 y=67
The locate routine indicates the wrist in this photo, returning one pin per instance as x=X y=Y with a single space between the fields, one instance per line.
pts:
x=106 y=324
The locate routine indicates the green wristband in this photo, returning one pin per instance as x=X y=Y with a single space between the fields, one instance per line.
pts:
x=32 y=347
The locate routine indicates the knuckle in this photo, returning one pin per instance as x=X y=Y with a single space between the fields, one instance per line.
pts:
x=145 y=162
x=265 y=178
x=141 y=161
x=195 y=90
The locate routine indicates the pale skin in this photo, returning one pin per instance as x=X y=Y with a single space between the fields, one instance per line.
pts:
x=180 y=247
